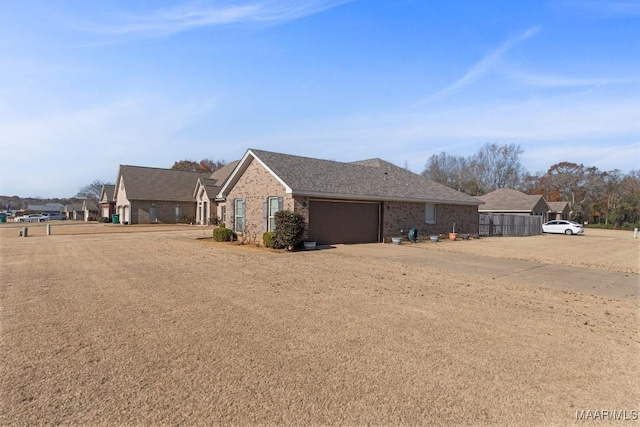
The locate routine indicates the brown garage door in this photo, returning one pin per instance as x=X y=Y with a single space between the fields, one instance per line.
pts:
x=343 y=222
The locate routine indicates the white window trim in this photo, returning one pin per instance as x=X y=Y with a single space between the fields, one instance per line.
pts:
x=435 y=213
x=271 y=215
x=236 y=216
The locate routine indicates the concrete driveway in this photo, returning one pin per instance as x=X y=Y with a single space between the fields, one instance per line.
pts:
x=576 y=279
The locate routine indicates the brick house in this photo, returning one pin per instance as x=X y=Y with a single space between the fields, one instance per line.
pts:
x=107 y=204
x=145 y=195
x=90 y=210
x=358 y=202
x=74 y=211
x=208 y=212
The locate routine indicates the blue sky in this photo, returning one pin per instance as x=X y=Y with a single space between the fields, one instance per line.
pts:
x=86 y=86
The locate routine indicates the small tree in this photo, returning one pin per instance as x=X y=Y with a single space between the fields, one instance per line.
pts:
x=290 y=228
x=204 y=165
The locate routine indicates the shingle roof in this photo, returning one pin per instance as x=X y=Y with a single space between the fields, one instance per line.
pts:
x=90 y=205
x=48 y=207
x=144 y=183
x=221 y=175
x=214 y=183
x=372 y=179
x=107 y=192
x=558 y=206
x=505 y=199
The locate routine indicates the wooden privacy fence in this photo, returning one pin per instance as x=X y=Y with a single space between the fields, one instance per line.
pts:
x=510 y=225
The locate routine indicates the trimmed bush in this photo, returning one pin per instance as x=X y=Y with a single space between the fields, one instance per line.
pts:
x=268 y=239
x=222 y=234
x=289 y=229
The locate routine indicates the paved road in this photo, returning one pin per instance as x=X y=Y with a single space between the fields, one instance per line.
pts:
x=577 y=279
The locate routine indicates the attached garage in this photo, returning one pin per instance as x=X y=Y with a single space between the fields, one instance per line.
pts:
x=344 y=222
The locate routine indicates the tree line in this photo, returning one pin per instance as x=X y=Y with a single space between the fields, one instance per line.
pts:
x=93 y=190
x=606 y=197
x=596 y=196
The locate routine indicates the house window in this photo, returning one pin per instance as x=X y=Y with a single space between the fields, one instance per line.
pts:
x=153 y=213
x=178 y=213
x=274 y=206
x=223 y=213
x=430 y=213
x=238 y=223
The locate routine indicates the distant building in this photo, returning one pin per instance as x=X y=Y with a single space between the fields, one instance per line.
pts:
x=46 y=208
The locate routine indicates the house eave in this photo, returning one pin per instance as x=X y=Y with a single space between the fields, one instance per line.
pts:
x=375 y=198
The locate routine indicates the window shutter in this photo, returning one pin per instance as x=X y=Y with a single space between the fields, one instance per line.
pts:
x=265 y=214
x=244 y=214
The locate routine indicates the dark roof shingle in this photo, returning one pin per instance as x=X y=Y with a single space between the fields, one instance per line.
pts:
x=145 y=183
x=367 y=179
x=505 y=199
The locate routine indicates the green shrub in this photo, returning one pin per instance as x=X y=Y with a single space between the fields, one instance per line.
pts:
x=222 y=234
x=289 y=229
x=268 y=239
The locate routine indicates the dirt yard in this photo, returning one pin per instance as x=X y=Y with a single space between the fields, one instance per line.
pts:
x=154 y=325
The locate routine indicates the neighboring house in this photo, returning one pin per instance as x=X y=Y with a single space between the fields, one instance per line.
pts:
x=74 y=211
x=513 y=202
x=90 y=210
x=208 y=212
x=359 y=202
x=107 y=204
x=49 y=208
x=145 y=195
x=559 y=210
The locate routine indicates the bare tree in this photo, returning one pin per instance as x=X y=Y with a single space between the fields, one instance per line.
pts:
x=492 y=167
x=92 y=191
x=498 y=166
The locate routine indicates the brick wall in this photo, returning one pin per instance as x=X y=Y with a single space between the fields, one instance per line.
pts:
x=166 y=211
x=301 y=206
x=254 y=186
x=403 y=215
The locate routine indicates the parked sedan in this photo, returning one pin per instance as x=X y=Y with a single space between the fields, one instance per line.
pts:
x=32 y=218
x=56 y=216
x=562 y=227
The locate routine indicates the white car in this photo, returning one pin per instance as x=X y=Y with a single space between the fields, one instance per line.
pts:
x=32 y=218
x=562 y=226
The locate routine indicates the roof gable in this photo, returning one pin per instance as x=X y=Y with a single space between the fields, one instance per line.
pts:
x=214 y=183
x=373 y=179
x=508 y=200
x=107 y=193
x=145 y=183
x=558 y=206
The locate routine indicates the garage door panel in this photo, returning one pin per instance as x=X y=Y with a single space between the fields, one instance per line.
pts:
x=343 y=222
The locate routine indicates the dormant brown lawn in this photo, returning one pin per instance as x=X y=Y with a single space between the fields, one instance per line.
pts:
x=113 y=325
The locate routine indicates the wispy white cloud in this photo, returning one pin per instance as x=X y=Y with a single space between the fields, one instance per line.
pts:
x=188 y=16
x=606 y=8
x=554 y=81
x=597 y=128
x=483 y=67
x=92 y=141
